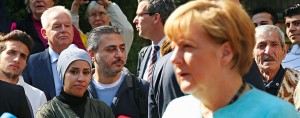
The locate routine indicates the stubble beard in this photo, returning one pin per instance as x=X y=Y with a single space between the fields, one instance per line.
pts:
x=10 y=75
x=105 y=69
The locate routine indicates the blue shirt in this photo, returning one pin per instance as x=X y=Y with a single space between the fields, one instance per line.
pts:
x=107 y=92
x=292 y=59
x=252 y=104
x=57 y=82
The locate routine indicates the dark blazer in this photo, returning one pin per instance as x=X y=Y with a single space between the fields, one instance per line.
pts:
x=38 y=73
x=143 y=59
x=13 y=100
x=163 y=87
x=254 y=77
x=124 y=102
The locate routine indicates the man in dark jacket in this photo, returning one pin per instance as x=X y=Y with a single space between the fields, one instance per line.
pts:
x=111 y=83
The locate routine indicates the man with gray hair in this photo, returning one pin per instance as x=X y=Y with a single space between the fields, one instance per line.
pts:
x=122 y=91
x=269 y=51
x=40 y=71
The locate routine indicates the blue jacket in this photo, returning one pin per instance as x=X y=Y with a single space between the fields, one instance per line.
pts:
x=38 y=73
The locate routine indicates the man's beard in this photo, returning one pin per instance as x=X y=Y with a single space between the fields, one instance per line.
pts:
x=10 y=75
x=105 y=68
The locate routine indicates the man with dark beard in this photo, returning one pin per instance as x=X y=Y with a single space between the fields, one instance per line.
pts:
x=123 y=92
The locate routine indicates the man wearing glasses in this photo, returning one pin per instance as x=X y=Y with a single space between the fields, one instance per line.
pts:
x=150 y=18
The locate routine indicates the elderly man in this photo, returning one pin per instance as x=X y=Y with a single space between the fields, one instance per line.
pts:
x=292 y=20
x=269 y=51
x=123 y=92
x=41 y=67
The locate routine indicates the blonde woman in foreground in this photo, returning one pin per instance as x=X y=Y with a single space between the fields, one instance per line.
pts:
x=213 y=43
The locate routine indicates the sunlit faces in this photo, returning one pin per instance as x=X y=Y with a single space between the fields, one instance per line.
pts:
x=13 y=59
x=143 y=21
x=77 y=78
x=98 y=16
x=196 y=60
x=39 y=6
x=293 y=28
x=263 y=18
x=110 y=56
x=59 y=31
x=268 y=51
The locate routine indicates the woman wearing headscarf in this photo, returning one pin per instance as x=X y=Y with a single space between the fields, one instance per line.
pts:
x=74 y=69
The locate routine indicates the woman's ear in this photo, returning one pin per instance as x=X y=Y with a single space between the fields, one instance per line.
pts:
x=226 y=53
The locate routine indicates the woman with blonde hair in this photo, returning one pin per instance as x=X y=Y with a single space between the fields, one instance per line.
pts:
x=213 y=43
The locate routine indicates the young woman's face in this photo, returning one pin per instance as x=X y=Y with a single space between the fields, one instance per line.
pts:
x=77 y=78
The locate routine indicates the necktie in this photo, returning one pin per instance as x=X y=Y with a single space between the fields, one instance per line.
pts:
x=152 y=61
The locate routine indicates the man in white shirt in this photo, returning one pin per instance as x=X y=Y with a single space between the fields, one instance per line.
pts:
x=292 y=23
x=14 y=52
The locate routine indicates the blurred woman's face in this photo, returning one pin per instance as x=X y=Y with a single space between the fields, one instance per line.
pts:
x=98 y=17
x=77 y=78
x=39 y=6
x=196 y=60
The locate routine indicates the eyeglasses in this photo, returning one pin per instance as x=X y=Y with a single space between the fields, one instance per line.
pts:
x=142 y=14
x=101 y=15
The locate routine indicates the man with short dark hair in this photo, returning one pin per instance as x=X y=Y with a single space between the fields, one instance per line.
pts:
x=264 y=16
x=111 y=83
x=14 y=53
x=292 y=23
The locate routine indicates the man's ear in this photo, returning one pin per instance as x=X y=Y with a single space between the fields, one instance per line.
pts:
x=43 y=32
x=92 y=54
x=284 y=51
x=157 y=18
x=226 y=54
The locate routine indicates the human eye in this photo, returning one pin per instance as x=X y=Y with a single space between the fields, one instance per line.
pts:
x=74 y=71
x=262 y=45
x=87 y=72
x=12 y=52
x=287 y=25
x=297 y=23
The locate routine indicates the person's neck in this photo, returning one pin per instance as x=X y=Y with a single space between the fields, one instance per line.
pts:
x=269 y=75
x=157 y=36
x=9 y=80
x=37 y=16
x=58 y=50
x=106 y=79
x=214 y=98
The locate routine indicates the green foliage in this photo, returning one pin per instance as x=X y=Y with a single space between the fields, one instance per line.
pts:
x=17 y=10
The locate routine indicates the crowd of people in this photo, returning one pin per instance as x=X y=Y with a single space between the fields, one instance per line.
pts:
x=203 y=61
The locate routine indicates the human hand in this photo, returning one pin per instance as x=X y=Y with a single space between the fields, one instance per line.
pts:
x=80 y=2
x=105 y=3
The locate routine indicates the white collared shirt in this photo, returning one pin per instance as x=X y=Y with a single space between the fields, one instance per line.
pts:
x=35 y=96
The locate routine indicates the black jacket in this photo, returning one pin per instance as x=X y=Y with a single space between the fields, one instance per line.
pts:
x=13 y=100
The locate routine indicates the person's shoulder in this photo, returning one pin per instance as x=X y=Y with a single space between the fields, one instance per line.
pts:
x=8 y=87
x=185 y=106
x=37 y=57
x=97 y=103
x=48 y=108
x=270 y=103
